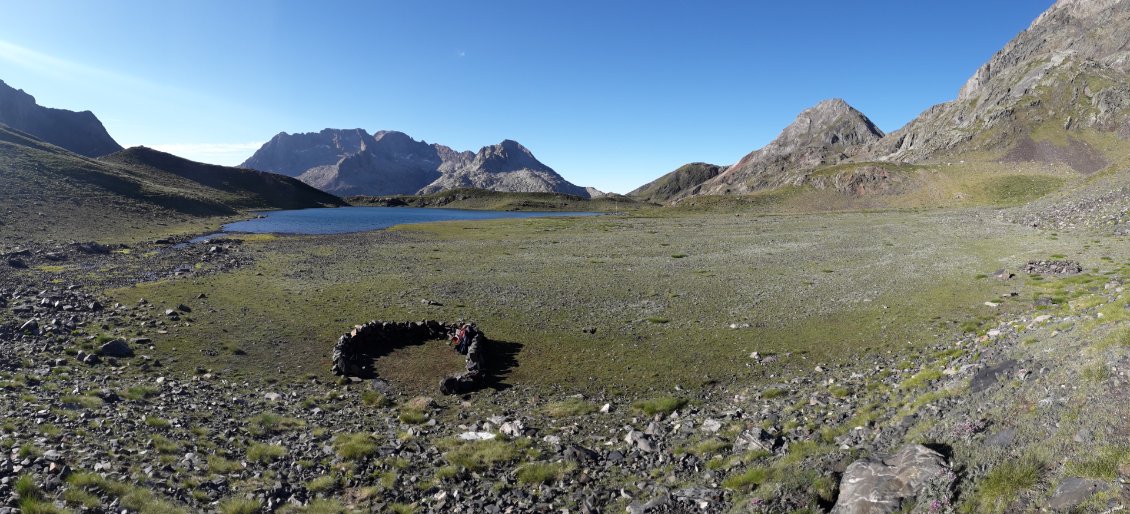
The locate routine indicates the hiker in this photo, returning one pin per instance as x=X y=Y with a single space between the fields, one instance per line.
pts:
x=462 y=338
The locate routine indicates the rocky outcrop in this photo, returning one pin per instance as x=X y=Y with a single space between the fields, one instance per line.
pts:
x=874 y=486
x=349 y=354
x=392 y=163
x=825 y=134
x=1066 y=72
x=79 y=132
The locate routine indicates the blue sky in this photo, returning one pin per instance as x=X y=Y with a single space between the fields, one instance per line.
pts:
x=611 y=94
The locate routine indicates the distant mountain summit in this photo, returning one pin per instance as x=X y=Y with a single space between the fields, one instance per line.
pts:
x=351 y=162
x=827 y=133
x=293 y=154
x=507 y=166
x=79 y=132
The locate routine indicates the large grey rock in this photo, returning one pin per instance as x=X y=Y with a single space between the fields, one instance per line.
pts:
x=1074 y=491
x=873 y=486
x=116 y=348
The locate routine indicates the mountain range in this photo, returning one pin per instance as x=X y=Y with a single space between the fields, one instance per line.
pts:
x=1051 y=95
x=352 y=162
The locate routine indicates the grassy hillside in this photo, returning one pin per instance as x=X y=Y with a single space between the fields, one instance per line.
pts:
x=501 y=201
x=676 y=184
x=50 y=193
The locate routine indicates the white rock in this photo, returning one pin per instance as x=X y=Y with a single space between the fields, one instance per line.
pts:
x=711 y=425
x=476 y=436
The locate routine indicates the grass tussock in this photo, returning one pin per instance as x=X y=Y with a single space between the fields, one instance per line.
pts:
x=354 y=446
x=664 y=405
x=260 y=452
x=570 y=408
x=536 y=473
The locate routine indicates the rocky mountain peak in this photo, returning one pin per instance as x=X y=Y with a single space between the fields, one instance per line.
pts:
x=79 y=132
x=826 y=133
x=509 y=155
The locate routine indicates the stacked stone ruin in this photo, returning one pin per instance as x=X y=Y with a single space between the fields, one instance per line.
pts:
x=350 y=351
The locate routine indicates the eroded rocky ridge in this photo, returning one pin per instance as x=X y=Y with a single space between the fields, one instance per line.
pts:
x=79 y=132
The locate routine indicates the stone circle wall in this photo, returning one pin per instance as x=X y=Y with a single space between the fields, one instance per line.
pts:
x=351 y=348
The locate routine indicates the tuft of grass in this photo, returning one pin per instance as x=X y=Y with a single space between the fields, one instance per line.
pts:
x=751 y=478
x=322 y=484
x=402 y=508
x=80 y=401
x=27 y=488
x=1102 y=465
x=664 y=405
x=569 y=408
x=707 y=447
x=267 y=423
x=240 y=506
x=156 y=422
x=218 y=464
x=921 y=379
x=480 y=455
x=536 y=473
x=412 y=416
x=139 y=392
x=375 y=399
x=81 y=498
x=996 y=492
x=259 y=452
x=354 y=446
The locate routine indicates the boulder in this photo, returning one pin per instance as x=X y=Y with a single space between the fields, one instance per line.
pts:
x=1074 y=491
x=871 y=486
x=116 y=348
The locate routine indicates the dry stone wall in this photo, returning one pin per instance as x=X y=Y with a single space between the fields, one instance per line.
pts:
x=350 y=354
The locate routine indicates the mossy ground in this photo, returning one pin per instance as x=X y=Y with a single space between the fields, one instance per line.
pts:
x=821 y=288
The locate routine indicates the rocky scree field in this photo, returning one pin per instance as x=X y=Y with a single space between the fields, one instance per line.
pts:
x=663 y=361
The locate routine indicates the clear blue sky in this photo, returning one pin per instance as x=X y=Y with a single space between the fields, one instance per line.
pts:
x=611 y=94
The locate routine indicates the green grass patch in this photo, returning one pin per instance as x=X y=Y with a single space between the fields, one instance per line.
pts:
x=536 y=473
x=921 y=379
x=139 y=392
x=218 y=464
x=267 y=423
x=996 y=492
x=354 y=446
x=748 y=479
x=72 y=401
x=569 y=408
x=664 y=405
x=375 y=399
x=1103 y=464
x=322 y=484
x=259 y=452
x=240 y=506
x=481 y=455
x=156 y=422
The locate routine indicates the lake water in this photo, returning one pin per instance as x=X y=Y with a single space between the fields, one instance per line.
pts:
x=341 y=220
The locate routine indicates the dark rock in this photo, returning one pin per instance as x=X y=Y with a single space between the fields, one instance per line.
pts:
x=986 y=377
x=116 y=348
x=17 y=263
